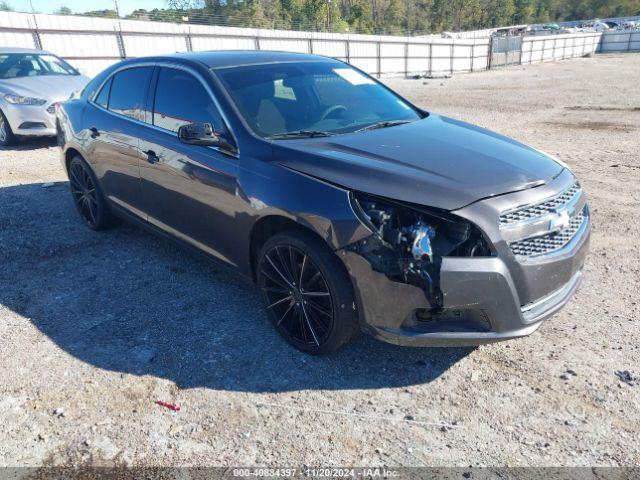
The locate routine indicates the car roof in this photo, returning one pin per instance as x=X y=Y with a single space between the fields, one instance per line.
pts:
x=21 y=50
x=237 y=58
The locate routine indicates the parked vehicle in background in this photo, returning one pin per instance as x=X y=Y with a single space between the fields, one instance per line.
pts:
x=351 y=208
x=32 y=82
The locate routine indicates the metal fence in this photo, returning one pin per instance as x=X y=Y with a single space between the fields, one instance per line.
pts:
x=620 y=41
x=559 y=47
x=92 y=44
x=505 y=51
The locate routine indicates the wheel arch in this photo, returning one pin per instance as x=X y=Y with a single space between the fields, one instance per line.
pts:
x=69 y=154
x=268 y=226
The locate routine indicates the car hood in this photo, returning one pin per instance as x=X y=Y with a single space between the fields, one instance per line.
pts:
x=54 y=88
x=436 y=161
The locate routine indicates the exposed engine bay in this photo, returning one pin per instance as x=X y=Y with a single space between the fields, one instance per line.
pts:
x=410 y=241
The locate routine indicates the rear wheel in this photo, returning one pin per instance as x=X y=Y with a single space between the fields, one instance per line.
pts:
x=7 y=137
x=307 y=292
x=87 y=196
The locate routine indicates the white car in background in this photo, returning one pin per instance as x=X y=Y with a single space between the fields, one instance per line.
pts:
x=32 y=82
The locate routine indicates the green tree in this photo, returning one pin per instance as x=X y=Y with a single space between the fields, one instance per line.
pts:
x=101 y=13
x=63 y=11
x=386 y=16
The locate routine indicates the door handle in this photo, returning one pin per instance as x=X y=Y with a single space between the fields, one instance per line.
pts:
x=94 y=132
x=151 y=156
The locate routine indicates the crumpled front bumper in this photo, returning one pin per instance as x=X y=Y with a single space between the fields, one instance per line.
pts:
x=481 y=303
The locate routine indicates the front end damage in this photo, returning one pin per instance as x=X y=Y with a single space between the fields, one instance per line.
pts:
x=430 y=278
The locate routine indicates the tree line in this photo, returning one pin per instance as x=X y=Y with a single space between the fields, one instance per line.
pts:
x=375 y=16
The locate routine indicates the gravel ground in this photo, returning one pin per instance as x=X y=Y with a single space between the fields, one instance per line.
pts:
x=96 y=327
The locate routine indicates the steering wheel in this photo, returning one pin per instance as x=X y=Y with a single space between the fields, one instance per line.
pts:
x=329 y=110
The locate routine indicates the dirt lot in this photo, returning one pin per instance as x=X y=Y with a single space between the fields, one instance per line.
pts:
x=97 y=326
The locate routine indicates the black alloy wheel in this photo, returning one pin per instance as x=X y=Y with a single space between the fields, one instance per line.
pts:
x=87 y=196
x=305 y=293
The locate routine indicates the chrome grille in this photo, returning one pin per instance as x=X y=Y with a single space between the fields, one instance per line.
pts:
x=529 y=212
x=550 y=242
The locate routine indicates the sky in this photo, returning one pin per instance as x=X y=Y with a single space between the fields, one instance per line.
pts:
x=48 y=6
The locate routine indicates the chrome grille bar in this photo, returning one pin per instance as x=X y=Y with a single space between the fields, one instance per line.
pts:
x=545 y=227
x=529 y=212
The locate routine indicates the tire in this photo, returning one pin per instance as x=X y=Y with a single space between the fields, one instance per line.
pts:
x=307 y=292
x=87 y=196
x=7 y=138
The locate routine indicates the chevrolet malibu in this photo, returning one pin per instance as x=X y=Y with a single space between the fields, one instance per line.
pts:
x=32 y=82
x=351 y=208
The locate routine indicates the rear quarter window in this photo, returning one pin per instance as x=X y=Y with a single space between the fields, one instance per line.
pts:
x=102 y=98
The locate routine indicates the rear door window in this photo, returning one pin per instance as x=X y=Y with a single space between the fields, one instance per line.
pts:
x=128 y=89
x=182 y=99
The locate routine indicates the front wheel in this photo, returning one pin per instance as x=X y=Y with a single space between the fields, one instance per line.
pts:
x=7 y=137
x=307 y=292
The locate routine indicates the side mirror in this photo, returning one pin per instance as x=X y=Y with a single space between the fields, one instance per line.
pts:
x=203 y=134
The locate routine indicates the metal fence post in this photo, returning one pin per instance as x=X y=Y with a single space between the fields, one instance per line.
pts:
x=347 y=48
x=452 y=52
x=378 y=58
x=473 y=54
x=490 y=54
x=601 y=43
x=37 y=41
x=406 y=60
x=256 y=42
x=120 y=42
x=310 y=42
x=521 y=46
x=187 y=39
x=430 y=68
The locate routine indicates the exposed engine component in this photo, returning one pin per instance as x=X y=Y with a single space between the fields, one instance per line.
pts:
x=410 y=241
x=421 y=248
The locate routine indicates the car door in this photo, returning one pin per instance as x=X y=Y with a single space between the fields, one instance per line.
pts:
x=189 y=190
x=114 y=121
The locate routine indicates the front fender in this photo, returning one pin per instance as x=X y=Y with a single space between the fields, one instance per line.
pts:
x=272 y=189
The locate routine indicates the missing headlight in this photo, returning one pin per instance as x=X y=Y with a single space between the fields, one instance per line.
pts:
x=410 y=241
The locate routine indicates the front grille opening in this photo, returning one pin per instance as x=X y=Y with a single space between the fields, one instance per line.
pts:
x=551 y=242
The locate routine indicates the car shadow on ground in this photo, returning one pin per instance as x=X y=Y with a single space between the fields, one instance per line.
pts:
x=26 y=144
x=127 y=301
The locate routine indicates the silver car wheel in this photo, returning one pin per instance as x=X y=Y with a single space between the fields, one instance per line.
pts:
x=3 y=130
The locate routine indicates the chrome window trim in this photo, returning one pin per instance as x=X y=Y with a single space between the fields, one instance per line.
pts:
x=168 y=64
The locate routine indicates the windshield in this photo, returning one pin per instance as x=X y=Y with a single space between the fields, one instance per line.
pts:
x=312 y=99
x=17 y=65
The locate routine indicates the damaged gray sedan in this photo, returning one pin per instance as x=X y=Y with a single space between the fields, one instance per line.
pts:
x=351 y=208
